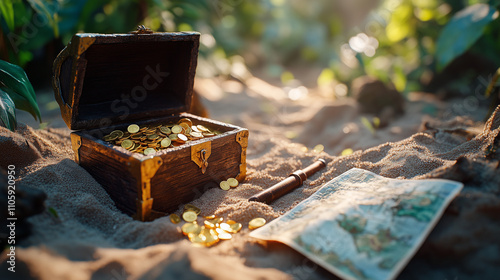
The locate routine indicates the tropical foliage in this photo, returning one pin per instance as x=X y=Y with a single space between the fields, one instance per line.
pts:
x=15 y=92
x=406 y=42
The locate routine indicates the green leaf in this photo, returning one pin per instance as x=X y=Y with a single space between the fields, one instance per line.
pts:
x=87 y=11
x=8 y=13
x=21 y=12
x=19 y=87
x=368 y=125
x=53 y=212
x=7 y=111
x=21 y=102
x=463 y=30
x=376 y=122
x=48 y=9
x=69 y=15
x=494 y=2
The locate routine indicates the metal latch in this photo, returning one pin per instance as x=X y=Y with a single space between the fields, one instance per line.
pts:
x=200 y=154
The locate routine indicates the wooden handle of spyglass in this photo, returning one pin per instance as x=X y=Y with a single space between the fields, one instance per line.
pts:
x=292 y=182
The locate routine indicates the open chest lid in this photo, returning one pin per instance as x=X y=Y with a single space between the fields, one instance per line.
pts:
x=104 y=79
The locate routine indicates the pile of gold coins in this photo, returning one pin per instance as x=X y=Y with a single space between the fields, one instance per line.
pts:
x=212 y=230
x=151 y=139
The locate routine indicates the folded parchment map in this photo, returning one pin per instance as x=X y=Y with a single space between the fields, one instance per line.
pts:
x=361 y=225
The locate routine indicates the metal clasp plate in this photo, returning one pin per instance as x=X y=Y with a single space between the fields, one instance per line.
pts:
x=200 y=154
x=76 y=143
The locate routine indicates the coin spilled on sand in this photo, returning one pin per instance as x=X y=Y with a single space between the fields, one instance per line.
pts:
x=212 y=229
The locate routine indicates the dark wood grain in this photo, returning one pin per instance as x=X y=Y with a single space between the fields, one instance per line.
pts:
x=110 y=169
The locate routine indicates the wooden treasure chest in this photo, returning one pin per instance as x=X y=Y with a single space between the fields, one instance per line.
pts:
x=141 y=84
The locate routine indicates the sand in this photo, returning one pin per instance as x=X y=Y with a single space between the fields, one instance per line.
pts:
x=91 y=239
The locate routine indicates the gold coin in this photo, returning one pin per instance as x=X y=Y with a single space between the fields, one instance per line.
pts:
x=176 y=129
x=225 y=227
x=209 y=224
x=224 y=185
x=166 y=142
x=134 y=148
x=213 y=223
x=318 y=148
x=127 y=144
x=236 y=227
x=217 y=220
x=196 y=134
x=186 y=127
x=197 y=239
x=191 y=207
x=189 y=216
x=202 y=128
x=256 y=223
x=182 y=137
x=195 y=128
x=173 y=136
x=149 y=151
x=186 y=120
x=230 y=222
x=107 y=138
x=165 y=130
x=188 y=228
x=209 y=217
x=175 y=219
x=153 y=137
x=232 y=182
x=222 y=234
x=112 y=137
x=133 y=128
x=119 y=133
x=210 y=236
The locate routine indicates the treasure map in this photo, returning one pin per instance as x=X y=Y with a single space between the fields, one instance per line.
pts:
x=361 y=225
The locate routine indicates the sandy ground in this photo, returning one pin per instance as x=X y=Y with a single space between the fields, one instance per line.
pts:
x=91 y=239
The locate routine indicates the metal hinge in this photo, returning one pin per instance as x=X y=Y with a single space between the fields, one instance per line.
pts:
x=143 y=171
x=200 y=154
x=76 y=143
x=242 y=139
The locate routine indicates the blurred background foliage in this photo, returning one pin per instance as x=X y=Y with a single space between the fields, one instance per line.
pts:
x=312 y=43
